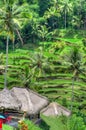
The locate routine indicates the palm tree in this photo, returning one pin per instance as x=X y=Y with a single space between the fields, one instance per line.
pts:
x=11 y=18
x=74 y=59
x=52 y=13
x=26 y=77
x=79 y=7
x=66 y=7
x=43 y=33
x=38 y=63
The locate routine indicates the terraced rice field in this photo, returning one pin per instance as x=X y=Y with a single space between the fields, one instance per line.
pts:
x=57 y=85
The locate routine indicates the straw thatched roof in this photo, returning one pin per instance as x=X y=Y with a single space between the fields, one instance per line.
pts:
x=31 y=101
x=8 y=100
x=55 y=109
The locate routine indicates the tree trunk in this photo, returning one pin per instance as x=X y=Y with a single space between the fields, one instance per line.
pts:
x=72 y=93
x=13 y=46
x=19 y=36
x=6 y=67
x=65 y=19
x=85 y=22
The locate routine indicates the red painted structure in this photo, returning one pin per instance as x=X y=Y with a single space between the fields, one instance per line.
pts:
x=1 y=125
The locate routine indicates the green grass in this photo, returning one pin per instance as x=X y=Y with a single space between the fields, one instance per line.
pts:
x=60 y=82
x=51 y=123
x=62 y=123
x=71 y=40
x=31 y=126
x=6 y=127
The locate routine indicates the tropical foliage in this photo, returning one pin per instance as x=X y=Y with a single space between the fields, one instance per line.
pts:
x=47 y=54
x=63 y=123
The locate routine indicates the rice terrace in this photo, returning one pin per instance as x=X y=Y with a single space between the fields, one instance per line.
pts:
x=42 y=65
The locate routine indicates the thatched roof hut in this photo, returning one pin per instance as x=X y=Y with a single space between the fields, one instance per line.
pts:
x=8 y=100
x=55 y=109
x=31 y=101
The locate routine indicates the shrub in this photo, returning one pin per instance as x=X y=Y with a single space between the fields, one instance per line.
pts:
x=63 y=123
x=84 y=42
x=75 y=123
x=27 y=124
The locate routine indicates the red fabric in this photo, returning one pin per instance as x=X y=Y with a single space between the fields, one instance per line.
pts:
x=3 y=120
x=1 y=124
x=9 y=118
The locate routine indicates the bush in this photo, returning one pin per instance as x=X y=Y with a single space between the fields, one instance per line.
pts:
x=29 y=124
x=84 y=42
x=75 y=123
x=63 y=123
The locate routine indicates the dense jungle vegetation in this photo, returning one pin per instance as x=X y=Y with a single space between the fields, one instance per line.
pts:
x=47 y=51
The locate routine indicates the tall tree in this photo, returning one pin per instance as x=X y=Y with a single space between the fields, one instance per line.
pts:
x=38 y=63
x=12 y=17
x=65 y=8
x=79 y=7
x=73 y=58
x=52 y=14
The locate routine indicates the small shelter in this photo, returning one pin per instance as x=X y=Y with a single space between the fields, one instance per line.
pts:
x=55 y=109
x=8 y=100
x=31 y=101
